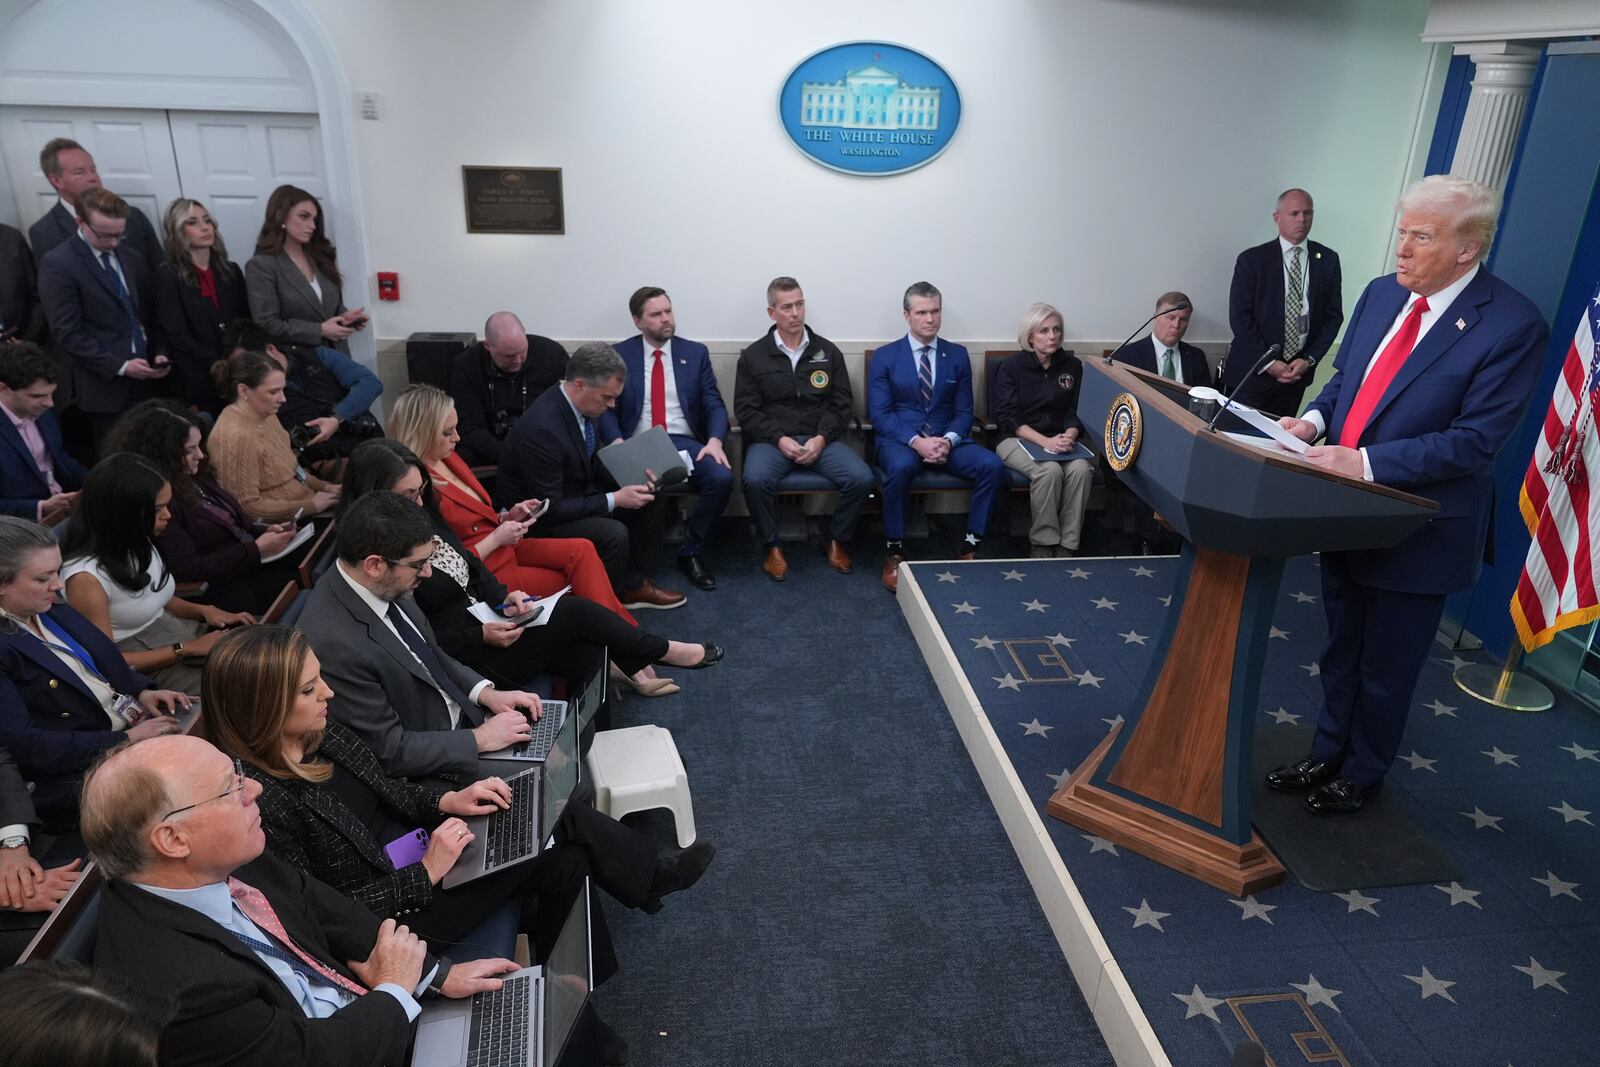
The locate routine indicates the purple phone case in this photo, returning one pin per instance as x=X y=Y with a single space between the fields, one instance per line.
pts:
x=407 y=849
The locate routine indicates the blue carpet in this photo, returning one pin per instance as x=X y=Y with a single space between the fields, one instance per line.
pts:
x=865 y=906
x=1501 y=968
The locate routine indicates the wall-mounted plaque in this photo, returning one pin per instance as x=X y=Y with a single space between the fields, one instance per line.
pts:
x=513 y=199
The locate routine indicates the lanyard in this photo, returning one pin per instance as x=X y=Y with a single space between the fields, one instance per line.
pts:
x=72 y=646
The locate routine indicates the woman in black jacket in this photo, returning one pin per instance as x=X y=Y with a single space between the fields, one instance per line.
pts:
x=199 y=292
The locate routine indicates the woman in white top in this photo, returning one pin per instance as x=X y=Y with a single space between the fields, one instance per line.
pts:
x=117 y=579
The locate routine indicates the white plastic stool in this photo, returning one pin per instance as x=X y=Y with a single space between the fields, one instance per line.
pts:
x=637 y=768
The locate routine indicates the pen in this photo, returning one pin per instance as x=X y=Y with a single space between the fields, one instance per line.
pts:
x=510 y=603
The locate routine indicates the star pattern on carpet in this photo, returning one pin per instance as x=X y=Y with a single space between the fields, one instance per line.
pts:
x=1035 y=727
x=1085 y=677
x=1008 y=682
x=1144 y=915
x=1311 y=669
x=948 y=576
x=1581 y=753
x=1275 y=634
x=1502 y=758
x=1303 y=598
x=1142 y=572
x=1542 y=976
x=1077 y=572
x=1012 y=575
x=1356 y=900
x=1060 y=779
x=1166 y=601
x=1557 y=887
x=983 y=642
x=1197 y=1003
x=1439 y=707
x=1100 y=844
x=1480 y=819
x=1113 y=723
x=1035 y=605
x=1316 y=993
x=1251 y=908
x=965 y=608
x=1418 y=762
x=1102 y=604
x=1284 y=717
x=1456 y=663
x=1061 y=639
x=1133 y=637
x=1460 y=894
x=1431 y=986
x=1570 y=814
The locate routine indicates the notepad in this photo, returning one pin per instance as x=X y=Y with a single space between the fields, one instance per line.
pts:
x=1041 y=455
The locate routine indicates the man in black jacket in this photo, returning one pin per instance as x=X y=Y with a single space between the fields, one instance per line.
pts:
x=21 y=314
x=494 y=380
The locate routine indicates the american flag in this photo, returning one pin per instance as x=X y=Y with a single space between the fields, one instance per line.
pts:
x=1557 y=588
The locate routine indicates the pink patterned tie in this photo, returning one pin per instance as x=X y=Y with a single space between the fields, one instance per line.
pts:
x=254 y=904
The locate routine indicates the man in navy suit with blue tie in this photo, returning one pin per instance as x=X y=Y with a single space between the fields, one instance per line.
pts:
x=1436 y=370
x=919 y=395
x=670 y=384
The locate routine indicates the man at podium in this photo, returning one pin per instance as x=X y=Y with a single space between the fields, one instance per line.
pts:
x=1436 y=370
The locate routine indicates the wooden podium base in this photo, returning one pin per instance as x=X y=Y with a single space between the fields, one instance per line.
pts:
x=1237 y=869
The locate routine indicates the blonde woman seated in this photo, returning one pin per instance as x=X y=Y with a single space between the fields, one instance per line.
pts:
x=251 y=455
x=1036 y=401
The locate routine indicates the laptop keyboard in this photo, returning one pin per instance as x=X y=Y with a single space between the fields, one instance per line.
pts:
x=514 y=833
x=537 y=746
x=500 y=1028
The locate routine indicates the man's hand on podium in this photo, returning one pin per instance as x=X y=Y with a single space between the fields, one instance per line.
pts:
x=1338 y=459
x=1301 y=428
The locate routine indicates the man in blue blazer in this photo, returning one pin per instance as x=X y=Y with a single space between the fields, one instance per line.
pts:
x=39 y=479
x=919 y=396
x=686 y=402
x=1262 y=276
x=1437 y=368
x=70 y=170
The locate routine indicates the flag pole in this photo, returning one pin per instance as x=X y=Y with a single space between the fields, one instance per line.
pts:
x=1504 y=686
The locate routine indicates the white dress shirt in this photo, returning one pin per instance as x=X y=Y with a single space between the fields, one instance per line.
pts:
x=676 y=423
x=794 y=354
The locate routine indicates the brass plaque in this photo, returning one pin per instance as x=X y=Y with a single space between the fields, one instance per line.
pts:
x=514 y=200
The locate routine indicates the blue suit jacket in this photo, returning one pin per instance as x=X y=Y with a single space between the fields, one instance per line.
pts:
x=894 y=400
x=697 y=391
x=88 y=320
x=21 y=484
x=1438 y=427
x=545 y=457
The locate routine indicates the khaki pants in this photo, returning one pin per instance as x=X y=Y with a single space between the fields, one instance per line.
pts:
x=168 y=630
x=1058 y=493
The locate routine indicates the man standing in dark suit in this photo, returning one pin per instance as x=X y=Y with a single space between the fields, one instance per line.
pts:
x=39 y=479
x=99 y=297
x=1435 y=373
x=70 y=170
x=21 y=314
x=1163 y=351
x=256 y=962
x=686 y=403
x=494 y=380
x=550 y=456
x=1286 y=292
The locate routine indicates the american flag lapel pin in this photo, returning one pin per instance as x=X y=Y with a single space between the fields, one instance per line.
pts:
x=1461 y=324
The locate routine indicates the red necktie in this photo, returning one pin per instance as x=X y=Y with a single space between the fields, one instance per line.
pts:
x=1388 y=364
x=658 y=392
x=254 y=904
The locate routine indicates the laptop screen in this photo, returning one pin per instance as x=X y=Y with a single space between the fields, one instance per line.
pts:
x=560 y=775
x=567 y=974
x=588 y=699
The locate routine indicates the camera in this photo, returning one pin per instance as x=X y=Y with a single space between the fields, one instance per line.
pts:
x=300 y=437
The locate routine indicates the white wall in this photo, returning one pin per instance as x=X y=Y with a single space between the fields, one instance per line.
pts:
x=1108 y=150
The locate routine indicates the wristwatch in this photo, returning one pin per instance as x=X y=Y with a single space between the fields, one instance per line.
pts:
x=14 y=841
x=177 y=650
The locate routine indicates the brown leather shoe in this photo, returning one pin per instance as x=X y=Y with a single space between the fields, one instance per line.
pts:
x=838 y=558
x=891 y=572
x=776 y=566
x=650 y=595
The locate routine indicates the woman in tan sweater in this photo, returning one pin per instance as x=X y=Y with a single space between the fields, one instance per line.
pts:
x=250 y=451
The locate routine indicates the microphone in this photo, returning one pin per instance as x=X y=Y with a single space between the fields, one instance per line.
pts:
x=1182 y=306
x=1269 y=354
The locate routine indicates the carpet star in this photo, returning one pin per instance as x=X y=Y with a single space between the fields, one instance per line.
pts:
x=1113 y=723
x=965 y=608
x=1061 y=639
x=1100 y=844
x=1199 y=1004
x=1251 y=909
x=1456 y=662
x=1431 y=986
x=1077 y=572
x=1569 y=813
x=1316 y=993
x=1579 y=752
x=1012 y=575
x=1102 y=604
x=983 y=642
x=1480 y=819
x=1166 y=601
x=1459 y=894
x=1359 y=901
x=1276 y=634
x=1542 y=976
x=1142 y=572
x=1439 y=708
x=1501 y=757
x=1087 y=678
x=1311 y=669
x=1557 y=887
x=1059 y=779
x=948 y=576
x=1303 y=598
x=1418 y=762
x=1284 y=717
x=1008 y=682
x=1035 y=605
x=1035 y=727
x=1143 y=915
x=1133 y=637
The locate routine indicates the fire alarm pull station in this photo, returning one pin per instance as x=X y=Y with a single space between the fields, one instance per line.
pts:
x=388 y=285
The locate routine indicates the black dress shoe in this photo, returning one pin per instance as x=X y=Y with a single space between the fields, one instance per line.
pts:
x=679 y=869
x=613 y=1049
x=697 y=573
x=712 y=657
x=1298 y=777
x=1341 y=797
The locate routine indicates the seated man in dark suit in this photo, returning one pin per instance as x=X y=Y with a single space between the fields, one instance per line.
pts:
x=686 y=403
x=256 y=962
x=100 y=299
x=423 y=713
x=70 y=170
x=21 y=314
x=494 y=380
x=550 y=455
x=1163 y=351
x=39 y=479
x=28 y=891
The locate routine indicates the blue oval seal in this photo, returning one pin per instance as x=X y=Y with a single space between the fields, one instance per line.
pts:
x=870 y=108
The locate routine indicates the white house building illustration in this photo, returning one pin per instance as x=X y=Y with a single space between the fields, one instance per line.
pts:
x=870 y=97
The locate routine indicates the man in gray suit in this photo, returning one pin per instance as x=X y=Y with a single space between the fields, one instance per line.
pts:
x=423 y=713
x=70 y=170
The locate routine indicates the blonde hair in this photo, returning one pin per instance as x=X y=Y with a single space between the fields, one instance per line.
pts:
x=417 y=417
x=1035 y=317
x=1473 y=208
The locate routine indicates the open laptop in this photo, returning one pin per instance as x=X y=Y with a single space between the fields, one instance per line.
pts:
x=592 y=693
x=538 y=797
x=537 y=747
x=524 y=1023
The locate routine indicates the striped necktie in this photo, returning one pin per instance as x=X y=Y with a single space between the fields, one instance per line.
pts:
x=1293 y=298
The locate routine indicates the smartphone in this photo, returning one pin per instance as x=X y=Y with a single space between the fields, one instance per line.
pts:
x=528 y=619
x=544 y=506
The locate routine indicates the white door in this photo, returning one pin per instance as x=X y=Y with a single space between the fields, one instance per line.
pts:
x=231 y=162
x=132 y=149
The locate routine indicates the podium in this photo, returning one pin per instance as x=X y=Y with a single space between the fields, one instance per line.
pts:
x=1173 y=780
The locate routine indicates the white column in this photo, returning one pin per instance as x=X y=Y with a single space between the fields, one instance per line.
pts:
x=1500 y=86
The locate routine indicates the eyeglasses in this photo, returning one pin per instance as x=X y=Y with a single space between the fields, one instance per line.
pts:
x=414 y=564
x=107 y=236
x=238 y=785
